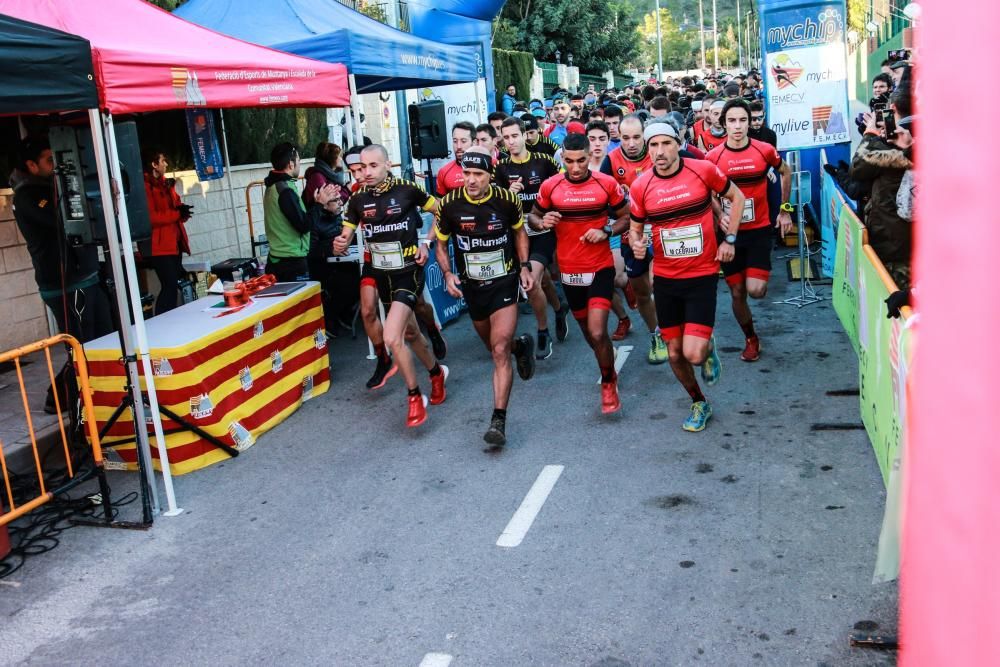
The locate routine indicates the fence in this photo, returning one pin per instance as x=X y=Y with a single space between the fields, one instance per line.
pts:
x=19 y=504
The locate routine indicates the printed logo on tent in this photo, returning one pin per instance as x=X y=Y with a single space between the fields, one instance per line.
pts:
x=246 y=378
x=242 y=438
x=186 y=88
x=276 y=363
x=162 y=367
x=201 y=406
x=258 y=329
x=319 y=339
x=785 y=71
x=307 y=388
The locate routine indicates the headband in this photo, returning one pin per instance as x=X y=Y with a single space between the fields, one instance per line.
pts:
x=717 y=104
x=660 y=128
x=353 y=158
x=475 y=160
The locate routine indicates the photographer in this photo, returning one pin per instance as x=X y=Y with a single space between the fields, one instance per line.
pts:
x=882 y=159
x=167 y=215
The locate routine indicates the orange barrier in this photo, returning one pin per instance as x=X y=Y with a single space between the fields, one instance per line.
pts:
x=883 y=274
x=15 y=510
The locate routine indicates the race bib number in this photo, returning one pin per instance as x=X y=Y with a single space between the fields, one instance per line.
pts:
x=748 y=210
x=485 y=265
x=681 y=242
x=578 y=279
x=387 y=255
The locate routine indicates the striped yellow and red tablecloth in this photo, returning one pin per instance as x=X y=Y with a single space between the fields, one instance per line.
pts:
x=235 y=376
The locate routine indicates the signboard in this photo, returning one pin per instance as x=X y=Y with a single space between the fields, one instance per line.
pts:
x=204 y=144
x=831 y=201
x=850 y=238
x=806 y=75
x=446 y=307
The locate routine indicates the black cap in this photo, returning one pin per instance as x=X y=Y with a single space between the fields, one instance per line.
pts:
x=899 y=64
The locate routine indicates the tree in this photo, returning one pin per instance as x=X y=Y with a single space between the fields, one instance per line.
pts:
x=677 y=46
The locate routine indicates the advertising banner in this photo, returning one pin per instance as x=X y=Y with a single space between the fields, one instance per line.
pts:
x=831 y=201
x=446 y=307
x=806 y=75
x=204 y=144
x=850 y=238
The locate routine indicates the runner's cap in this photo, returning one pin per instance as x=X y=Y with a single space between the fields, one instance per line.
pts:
x=353 y=158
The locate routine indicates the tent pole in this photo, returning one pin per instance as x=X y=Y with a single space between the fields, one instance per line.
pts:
x=121 y=298
x=356 y=106
x=229 y=181
x=142 y=346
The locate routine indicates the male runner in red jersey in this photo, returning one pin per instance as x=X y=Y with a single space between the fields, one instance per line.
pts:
x=625 y=164
x=449 y=177
x=746 y=162
x=710 y=132
x=675 y=198
x=576 y=204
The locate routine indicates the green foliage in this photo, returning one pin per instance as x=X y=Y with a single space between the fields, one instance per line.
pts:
x=857 y=16
x=677 y=46
x=169 y=5
x=599 y=33
x=512 y=67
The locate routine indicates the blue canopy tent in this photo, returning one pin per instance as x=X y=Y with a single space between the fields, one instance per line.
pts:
x=380 y=58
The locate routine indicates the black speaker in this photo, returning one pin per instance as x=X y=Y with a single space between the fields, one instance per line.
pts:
x=81 y=207
x=428 y=130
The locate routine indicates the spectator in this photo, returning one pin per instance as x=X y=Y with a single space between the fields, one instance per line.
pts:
x=883 y=161
x=167 y=215
x=326 y=170
x=509 y=99
x=758 y=130
x=881 y=85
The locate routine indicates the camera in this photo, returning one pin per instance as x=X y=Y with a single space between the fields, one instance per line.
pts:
x=899 y=54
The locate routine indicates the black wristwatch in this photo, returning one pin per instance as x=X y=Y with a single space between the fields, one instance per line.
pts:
x=607 y=230
x=730 y=239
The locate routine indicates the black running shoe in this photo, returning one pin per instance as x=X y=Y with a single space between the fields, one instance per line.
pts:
x=495 y=434
x=438 y=344
x=562 y=328
x=524 y=356
x=544 y=346
x=384 y=369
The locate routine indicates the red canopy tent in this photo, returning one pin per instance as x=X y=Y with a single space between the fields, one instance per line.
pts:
x=146 y=59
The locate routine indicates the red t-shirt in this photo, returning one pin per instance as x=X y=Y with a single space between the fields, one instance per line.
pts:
x=708 y=140
x=449 y=177
x=747 y=168
x=583 y=206
x=679 y=209
x=624 y=170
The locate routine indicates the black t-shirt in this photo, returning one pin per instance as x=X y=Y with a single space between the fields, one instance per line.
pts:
x=388 y=216
x=533 y=173
x=766 y=135
x=484 y=233
x=544 y=145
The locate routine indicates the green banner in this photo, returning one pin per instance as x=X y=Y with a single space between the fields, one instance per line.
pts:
x=850 y=237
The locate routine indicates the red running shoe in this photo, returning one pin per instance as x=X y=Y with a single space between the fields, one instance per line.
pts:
x=752 y=351
x=417 y=414
x=438 y=392
x=610 y=402
x=630 y=298
x=624 y=326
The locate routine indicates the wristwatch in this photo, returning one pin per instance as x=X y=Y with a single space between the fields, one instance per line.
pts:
x=730 y=239
x=787 y=208
x=606 y=229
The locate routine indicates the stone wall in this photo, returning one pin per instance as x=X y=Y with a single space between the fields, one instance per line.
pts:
x=23 y=317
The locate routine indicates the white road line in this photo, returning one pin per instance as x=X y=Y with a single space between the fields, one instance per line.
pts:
x=436 y=660
x=621 y=356
x=520 y=523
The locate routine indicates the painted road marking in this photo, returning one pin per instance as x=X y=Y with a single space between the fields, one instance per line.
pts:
x=436 y=660
x=621 y=356
x=520 y=523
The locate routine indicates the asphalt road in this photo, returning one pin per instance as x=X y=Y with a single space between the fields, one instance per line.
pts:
x=342 y=538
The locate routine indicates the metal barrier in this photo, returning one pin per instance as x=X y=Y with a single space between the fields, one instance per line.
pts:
x=75 y=477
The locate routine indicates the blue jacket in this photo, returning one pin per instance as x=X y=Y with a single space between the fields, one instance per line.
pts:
x=508 y=103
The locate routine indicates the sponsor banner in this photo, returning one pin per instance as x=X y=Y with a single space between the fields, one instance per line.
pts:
x=446 y=307
x=806 y=76
x=831 y=201
x=850 y=238
x=204 y=144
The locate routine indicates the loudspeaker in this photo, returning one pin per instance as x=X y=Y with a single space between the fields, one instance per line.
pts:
x=80 y=193
x=428 y=130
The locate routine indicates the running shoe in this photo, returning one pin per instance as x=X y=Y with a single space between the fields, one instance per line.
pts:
x=752 y=351
x=712 y=368
x=562 y=328
x=544 y=350
x=630 y=297
x=624 y=326
x=698 y=419
x=438 y=344
x=524 y=356
x=438 y=392
x=496 y=433
x=658 y=353
x=384 y=369
x=610 y=403
x=417 y=414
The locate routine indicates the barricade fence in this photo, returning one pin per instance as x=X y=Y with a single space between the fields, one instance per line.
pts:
x=21 y=498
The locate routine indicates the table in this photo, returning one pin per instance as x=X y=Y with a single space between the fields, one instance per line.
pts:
x=235 y=376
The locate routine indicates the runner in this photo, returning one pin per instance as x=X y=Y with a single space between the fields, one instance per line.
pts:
x=711 y=133
x=746 y=162
x=449 y=177
x=486 y=138
x=491 y=255
x=625 y=164
x=523 y=174
x=575 y=204
x=386 y=209
x=675 y=198
x=537 y=142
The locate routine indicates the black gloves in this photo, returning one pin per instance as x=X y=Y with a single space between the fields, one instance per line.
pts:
x=895 y=301
x=186 y=210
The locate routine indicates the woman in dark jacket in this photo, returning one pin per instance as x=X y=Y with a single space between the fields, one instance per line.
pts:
x=167 y=215
x=340 y=281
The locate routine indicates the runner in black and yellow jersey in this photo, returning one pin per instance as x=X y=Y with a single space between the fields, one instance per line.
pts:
x=523 y=174
x=491 y=255
x=386 y=209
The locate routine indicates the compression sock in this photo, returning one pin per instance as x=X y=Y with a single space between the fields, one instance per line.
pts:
x=748 y=329
x=414 y=392
x=436 y=370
